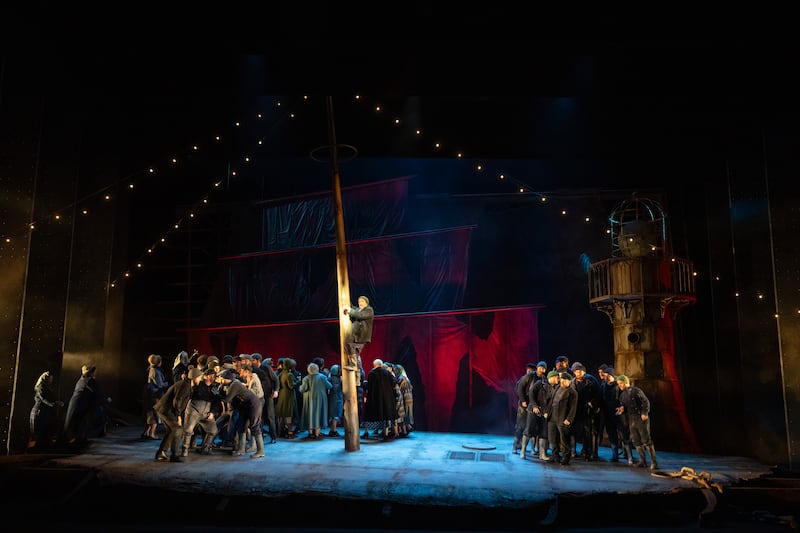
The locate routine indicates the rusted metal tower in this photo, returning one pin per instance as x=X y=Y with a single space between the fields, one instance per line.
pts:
x=641 y=288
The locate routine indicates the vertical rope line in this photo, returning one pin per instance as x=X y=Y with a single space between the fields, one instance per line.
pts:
x=786 y=420
x=15 y=383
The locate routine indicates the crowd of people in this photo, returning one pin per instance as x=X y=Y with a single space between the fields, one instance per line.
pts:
x=242 y=402
x=565 y=412
x=239 y=402
x=240 y=399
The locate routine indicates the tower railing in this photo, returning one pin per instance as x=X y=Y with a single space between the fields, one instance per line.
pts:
x=623 y=278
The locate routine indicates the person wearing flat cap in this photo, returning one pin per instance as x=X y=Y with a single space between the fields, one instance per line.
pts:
x=361 y=318
x=171 y=407
x=248 y=407
x=539 y=395
x=86 y=399
x=634 y=406
x=562 y=418
x=521 y=388
x=562 y=365
x=587 y=418
x=541 y=370
x=612 y=424
x=200 y=415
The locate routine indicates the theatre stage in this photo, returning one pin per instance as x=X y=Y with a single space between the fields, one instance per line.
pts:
x=430 y=481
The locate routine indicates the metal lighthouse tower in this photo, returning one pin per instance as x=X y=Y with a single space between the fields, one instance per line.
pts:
x=641 y=288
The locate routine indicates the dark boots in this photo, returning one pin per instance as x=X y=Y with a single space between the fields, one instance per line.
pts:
x=187 y=443
x=597 y=441
x=642 y=462
x=614 y=453
x=175 y=454
x=205 y=446
x=250 y=440
x=240 y=445
x=555 y=454
x=543 y=449
x=628 y=453
x=652 y=451
x=259 y=446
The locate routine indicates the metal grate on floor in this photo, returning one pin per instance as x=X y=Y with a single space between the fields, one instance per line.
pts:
x=463 y=456
x=493 y=457
x=472 y=456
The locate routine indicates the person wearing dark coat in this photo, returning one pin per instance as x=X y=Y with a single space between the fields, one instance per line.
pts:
x=562 y=365
x=249 y=407
x=540 y=393
x=612 y=423
x=43 y=412
x=553 y=384
x=82 y=410
x=380 y=406
x=271 y=385
x=335 y=401
x=171 y=407
x=635 y=407
x=180 y=367
x=361 y=318
x=589 y=406
x=200 y=413
x=521 y=421
x=562 y=414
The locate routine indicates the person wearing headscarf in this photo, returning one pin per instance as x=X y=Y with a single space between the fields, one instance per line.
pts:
x=380 y=408
x=315 y=387
x=82 y=409
x=180 y=367
x=407 y=399
x=335 y=401
x=155 y=386
x=285 y=402
x=43 y=412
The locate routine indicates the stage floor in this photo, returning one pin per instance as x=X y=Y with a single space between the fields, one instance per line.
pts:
x=429 y=481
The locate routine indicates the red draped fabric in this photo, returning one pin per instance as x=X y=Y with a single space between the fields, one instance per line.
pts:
x=282 y=302
x=463 y=364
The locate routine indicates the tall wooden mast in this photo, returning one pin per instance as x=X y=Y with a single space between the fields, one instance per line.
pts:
x=348 y=364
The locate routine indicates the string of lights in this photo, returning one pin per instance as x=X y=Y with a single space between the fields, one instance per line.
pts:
x=520 y=186
x=379 y=111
